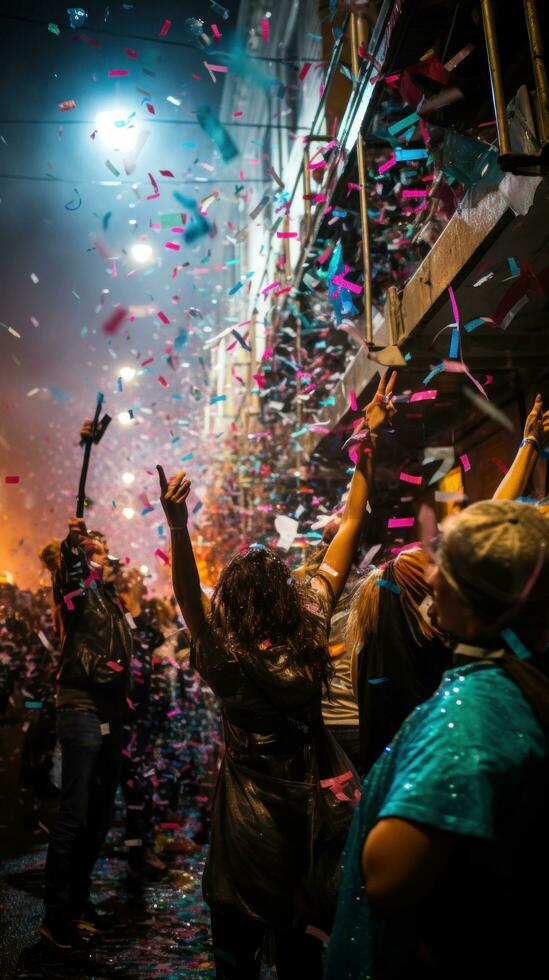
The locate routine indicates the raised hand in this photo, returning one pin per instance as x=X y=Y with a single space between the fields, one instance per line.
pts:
x=537 y=424
x=87 y=433
x=381 y=407
x=77 y=527
x=173 y=497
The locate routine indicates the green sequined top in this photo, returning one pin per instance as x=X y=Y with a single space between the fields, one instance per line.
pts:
x=472 y=761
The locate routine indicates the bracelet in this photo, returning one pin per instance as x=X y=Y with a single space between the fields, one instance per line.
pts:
x=530 y=441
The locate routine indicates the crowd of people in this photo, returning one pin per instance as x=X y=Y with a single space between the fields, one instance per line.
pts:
x=382 y=794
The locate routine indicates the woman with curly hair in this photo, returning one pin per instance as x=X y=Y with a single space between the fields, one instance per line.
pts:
x=262 y=647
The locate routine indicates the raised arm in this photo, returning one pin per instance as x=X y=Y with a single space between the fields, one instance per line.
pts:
x=339 y=556
x=536 y=434
x=186 y=583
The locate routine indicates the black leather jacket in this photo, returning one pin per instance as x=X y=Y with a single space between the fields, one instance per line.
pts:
x=95 y=667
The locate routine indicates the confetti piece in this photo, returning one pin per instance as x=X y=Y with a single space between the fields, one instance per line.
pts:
x=65 y=106
x=304 y=71
x=383 y=583
x=423 y=396
x=217 y=133
x=353 y=287
x=387 y=165
x=118 y=72
x=163 y=381
x=488 y=408
x=162 y=316
x=217 y=398
x=265 y=30
x=453 y=302
x=114 y=666
x=113 y=323
x=516 y=644
x=162 y=555
x=404 y=123
x=11 y=479
x=272 y=285
x=54 y=29
x=318 y=934
x=409 y=478
x=165 y=28
x=464 y=460
x=401 y=522
x=352 y=401
x=110 y=166
x=75 y=203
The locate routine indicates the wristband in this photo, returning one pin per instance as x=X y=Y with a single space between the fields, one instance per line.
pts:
x=530 y=441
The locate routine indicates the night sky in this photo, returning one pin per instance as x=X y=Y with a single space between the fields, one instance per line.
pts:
x=54 y=352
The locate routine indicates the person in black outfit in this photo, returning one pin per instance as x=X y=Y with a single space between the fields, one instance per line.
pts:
x=397 y=656
x=92 y=690
x=276 y=836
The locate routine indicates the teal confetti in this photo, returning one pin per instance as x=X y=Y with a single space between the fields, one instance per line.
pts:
x=516 y=644
x=382 y=583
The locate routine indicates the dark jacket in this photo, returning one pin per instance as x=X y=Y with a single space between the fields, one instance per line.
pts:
x=96 y=651
x=272 y=855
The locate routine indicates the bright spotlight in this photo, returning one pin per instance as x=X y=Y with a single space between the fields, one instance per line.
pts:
x=128 y=478
x=128 y=513
x=124 y=418
x=116 y=130
x=141 y=252
x=127 y=373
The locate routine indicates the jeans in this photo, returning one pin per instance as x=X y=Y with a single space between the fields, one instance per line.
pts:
x=237 y=943
x=90 y=764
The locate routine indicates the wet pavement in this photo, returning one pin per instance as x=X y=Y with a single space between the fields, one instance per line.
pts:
x=164 y=925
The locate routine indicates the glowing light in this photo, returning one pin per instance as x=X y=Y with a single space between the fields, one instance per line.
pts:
x=143 y=569
x=125 y=418
x=141 y=252
x=128 y=513
x=128 y=478
x=116 y=129
x=127 y=373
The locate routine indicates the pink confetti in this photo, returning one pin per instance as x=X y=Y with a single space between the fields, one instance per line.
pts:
x=408 y=478
x=150 y=108
x=464 y=460
x=65 y=106
x=352 y=401
x=118 y=72
x=387 y=165
x=453 y=301
x=166 y=173
x=346 y=284
x=155 y=188
x=215 y=68
x=272 y=285
x=114 y=322
x=163 y=381
x=265 y=28
x=401 y=522
x=165 y=28
x=423 y=396
x=236 y=115
x=130 y=52
x=162 y=316
x=304 y=71
x=216 y=32
x=286 y=234
x=172 y=245
x=414 y=193
x=162 y=555
x=114 y=666
x=11 y=479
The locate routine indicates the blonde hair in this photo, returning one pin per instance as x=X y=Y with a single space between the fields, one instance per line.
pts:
x=409 y=572
x=50 y=555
